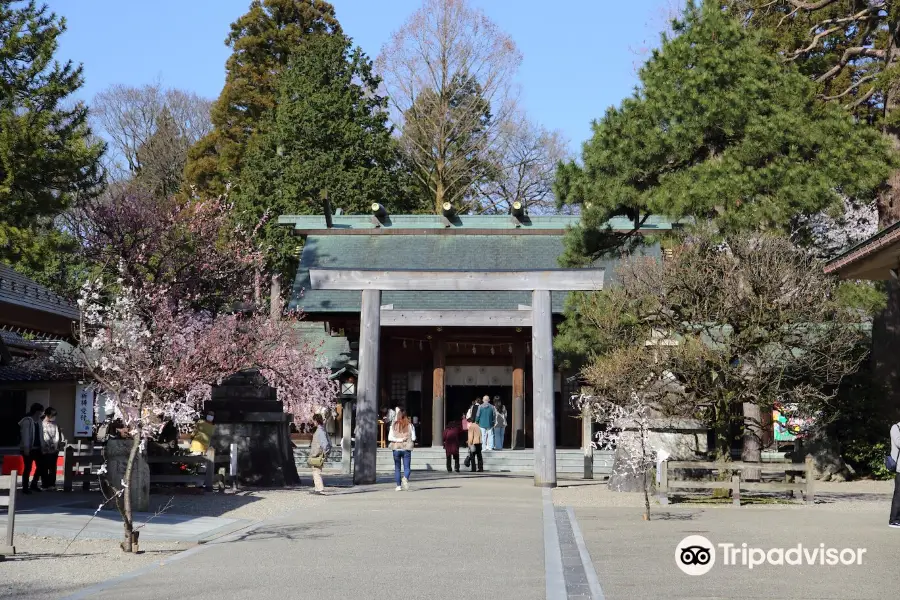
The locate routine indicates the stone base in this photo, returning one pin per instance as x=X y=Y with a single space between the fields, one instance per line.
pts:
x=265 y=455
x=116 y=454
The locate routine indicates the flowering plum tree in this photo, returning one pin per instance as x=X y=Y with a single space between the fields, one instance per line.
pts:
x=177 y=318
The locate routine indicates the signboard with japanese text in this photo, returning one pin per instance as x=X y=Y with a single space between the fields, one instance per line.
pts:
x=84 y=411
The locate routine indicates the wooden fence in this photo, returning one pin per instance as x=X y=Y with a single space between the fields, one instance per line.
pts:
x=9 y=501
x=78 y=466
x=668 y=482
x=80 y=462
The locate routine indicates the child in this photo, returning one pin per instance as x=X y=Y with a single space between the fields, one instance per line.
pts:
x=451 y=444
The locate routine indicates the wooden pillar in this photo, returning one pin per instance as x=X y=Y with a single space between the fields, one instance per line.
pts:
x=367 y=388
x=542 y=386
x=517 y=433
x=438 y=418
x=346 y=445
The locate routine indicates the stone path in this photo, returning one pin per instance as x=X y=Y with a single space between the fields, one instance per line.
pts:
x=500 y=537
x=447 y=538
x=67 y=519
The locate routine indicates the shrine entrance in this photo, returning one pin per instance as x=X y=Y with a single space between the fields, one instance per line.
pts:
x=537 y=317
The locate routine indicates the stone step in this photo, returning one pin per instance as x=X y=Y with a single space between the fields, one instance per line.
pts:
x=503 y=461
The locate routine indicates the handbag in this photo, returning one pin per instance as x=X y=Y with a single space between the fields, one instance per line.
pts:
x=317 y=461
x=889 y=461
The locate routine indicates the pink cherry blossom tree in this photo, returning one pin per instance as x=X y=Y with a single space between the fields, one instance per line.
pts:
x=174 y=317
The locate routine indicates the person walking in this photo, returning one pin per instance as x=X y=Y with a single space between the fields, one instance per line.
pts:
x=402 y=438
x=895 y=459
x=319 y=448
x=500 y=427
x=486 y=420
x=30 y=446
x=52 y=441
x=475 y=459
x=451 y=444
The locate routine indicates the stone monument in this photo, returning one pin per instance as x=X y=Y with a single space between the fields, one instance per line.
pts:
x=116 y=454
x=249 y=414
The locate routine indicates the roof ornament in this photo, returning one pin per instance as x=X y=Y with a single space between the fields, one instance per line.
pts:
x=327 y=206
x=379 y=213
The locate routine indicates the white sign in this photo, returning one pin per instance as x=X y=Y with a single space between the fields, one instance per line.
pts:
x=84 y=411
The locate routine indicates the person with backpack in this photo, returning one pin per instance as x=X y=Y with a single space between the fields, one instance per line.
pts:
x=52 y=441
x=30 y=435
x=893 y=463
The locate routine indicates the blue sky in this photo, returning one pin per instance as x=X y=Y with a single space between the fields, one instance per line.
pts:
x=580 y=56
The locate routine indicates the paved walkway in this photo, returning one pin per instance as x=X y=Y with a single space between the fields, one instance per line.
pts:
x=445 y=539
x=635 y=560
x=499 y=537
x=65 y=515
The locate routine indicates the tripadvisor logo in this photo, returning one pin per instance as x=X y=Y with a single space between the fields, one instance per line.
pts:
x=696 y=555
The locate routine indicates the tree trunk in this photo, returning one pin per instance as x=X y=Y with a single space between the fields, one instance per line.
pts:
x=886 y=326
x=127 y=517
x=644 y=464
x=751 y=450
x=439 y=195
x=257 y=289
x=722 y=428
x=275 y=298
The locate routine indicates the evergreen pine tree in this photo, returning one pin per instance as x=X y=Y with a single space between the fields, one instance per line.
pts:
x=720 y=129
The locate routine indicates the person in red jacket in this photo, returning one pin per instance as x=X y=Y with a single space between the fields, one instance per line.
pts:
x=451 y=444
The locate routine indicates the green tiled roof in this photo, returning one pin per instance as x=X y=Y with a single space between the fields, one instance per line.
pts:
x=333 y=352
x=559 y=223
x=457 y=252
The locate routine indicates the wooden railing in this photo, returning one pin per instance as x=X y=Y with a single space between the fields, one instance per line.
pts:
x=79 y=463
x=206 y=479
x=78 y=466
x=668 y=482
x=9 y=501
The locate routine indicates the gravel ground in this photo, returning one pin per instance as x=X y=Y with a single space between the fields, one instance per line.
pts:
x=40 y=570
x=251 y=504
x=853 y=496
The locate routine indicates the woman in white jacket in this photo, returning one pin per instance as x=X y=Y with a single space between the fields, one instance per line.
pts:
x=402 y=438
x=52 y=441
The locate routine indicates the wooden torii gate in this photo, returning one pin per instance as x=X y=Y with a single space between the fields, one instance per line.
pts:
x=540 y=318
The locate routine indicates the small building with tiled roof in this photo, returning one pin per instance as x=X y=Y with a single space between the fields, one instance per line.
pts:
x=464 y=362
x=876 y=258
x=33 y=322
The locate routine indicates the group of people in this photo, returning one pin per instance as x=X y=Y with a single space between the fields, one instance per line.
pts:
x=483 y=426
x=40 y=441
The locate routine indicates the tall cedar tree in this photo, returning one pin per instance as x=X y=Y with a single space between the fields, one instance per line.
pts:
x=263 y=42
x=327 y=133
x=47 y=156
x=721 y=130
